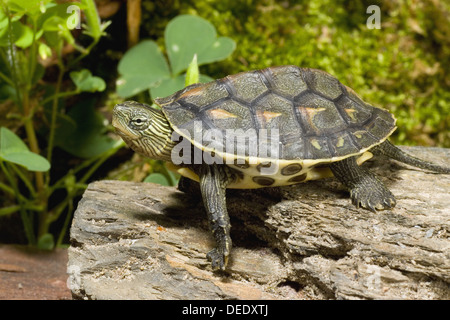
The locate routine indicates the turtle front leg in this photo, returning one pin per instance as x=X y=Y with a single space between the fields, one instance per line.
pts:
x=213 y=182
x=365 y=188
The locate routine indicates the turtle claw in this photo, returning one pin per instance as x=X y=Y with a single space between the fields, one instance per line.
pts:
x=372 y=201
x=218 y=258
x=371 y=207
x=390 y=202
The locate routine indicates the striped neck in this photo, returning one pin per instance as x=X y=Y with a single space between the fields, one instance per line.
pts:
x=144 y=129
x=155 y=141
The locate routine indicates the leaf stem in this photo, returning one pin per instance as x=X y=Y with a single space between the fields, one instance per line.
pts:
x=6 y=79
x=66 y=221
x=51 y=137
x=103 y=157
x=25 y=180
x=32 y=139
x=27 y=224
x=6 y=188
x=60 y=95
x=13 y=66
x=44 y=218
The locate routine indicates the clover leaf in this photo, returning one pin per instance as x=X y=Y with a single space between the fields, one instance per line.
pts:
x=85 y=81
x=188 y=35
x=141 y=67
x=144 y=66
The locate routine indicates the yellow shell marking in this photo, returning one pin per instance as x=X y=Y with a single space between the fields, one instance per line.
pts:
x=221 y=114
x=268 y=115
x=350 y=113
x=313 y=111
x=316 y=144
x=193 y=92
x=340 y=142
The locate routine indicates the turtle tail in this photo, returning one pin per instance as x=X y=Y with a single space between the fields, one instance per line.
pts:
x=390 y=150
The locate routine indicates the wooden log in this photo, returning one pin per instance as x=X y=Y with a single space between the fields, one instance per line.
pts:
x=146 y=241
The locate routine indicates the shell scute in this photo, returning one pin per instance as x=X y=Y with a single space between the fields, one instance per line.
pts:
x=229 y=114
x=205 y=95
x=287 y=81
x=319 y=116
x=323 y=83
x=275 y=112
x=247 y=86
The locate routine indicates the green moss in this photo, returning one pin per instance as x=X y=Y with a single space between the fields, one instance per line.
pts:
x=402 y=67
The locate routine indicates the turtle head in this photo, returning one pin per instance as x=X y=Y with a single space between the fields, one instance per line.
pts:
x=144 y=129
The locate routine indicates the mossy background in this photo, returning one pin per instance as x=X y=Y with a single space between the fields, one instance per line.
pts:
x=403 y=67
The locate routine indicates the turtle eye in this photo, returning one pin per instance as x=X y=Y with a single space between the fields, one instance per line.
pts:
x=138 y=122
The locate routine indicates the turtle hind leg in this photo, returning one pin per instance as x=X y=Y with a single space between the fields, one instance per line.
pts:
x=366 y=190
x=390 y=150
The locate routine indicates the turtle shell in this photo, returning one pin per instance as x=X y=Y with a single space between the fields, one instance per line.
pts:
x=299 y=116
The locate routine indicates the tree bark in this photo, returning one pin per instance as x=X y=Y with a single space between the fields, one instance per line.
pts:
x=146 y=241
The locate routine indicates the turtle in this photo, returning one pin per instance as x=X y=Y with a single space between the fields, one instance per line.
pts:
x=272 y=127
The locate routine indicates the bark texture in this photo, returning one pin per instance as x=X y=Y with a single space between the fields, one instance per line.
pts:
x=145 y=241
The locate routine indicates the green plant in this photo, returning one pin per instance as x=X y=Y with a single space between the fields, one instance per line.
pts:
x=144 y=67
x=31 y=32
x=190 y=41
